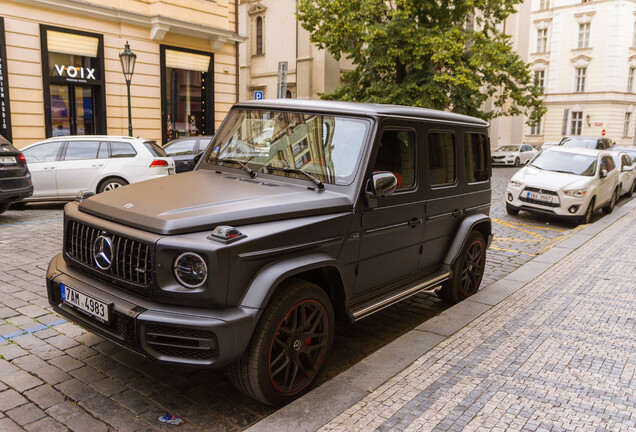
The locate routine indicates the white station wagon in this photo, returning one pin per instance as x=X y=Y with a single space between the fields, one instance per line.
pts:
x=62 y=166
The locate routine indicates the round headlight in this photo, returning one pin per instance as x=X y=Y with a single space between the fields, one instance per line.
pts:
x=190 y=270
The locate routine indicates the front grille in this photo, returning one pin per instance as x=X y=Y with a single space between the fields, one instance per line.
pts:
x=132 y=260
x=498 y=157
x=182 y=342
x=541 y=191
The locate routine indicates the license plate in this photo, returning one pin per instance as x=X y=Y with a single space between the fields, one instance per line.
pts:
x=541 y=197
x=7 y=160
x=85 y=303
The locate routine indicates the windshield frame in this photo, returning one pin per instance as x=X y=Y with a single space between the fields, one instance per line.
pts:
x=210 y=162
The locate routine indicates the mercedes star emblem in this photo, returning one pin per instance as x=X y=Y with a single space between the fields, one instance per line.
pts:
x=103 y=252
x=129 y=205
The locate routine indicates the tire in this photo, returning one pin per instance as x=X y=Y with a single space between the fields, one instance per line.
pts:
x=517 y=162
x=110 y=184
x=468 y=271
x=587 y=217
x=288 y=347
x=4 y=207
x=610 y=206
x=511 y=210
x=630 y=192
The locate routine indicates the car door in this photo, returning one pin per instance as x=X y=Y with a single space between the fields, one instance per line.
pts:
x=391 y=233
x=526 y=153
x=608 y=183
x=182 y=152
x=79 y=168
x=42 y=160
x=627 y=173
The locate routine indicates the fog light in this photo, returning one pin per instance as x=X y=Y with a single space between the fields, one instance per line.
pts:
x=190 y=270
x=573 y=209
x=510 y=197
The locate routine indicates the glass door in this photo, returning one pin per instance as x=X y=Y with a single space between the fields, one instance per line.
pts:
x=72 y=109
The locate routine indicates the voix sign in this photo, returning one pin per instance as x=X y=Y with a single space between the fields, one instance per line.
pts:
x=74 y=73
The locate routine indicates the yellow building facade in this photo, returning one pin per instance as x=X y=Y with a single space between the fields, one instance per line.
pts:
x=60 y=71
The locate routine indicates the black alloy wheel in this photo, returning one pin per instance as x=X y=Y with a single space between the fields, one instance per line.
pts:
x=468 y=270
x=289 y=345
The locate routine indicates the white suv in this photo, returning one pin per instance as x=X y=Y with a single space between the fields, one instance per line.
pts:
x=565 y=182
x=63 y=166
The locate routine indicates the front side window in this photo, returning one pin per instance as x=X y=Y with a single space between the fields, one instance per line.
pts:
x=607 y=163
x=542 y=40
x=78 y=150
x=184 y=147
x=476 y=156
x=46 y=152
x=580 y=74
x=584 y=35
x=577 y=123
x=441 y=158
x=397 y=155
x=286 y=143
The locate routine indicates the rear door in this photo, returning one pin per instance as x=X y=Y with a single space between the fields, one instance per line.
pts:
x=79 y=168
x=42 y=160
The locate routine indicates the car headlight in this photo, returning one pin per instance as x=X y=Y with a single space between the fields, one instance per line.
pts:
x=515 y=183
x=576 y=193
x=190 y=270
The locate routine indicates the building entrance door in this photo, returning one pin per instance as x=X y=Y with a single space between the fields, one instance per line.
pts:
x=72 y=110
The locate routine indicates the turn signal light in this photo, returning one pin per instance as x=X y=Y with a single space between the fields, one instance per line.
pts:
x=159 y=163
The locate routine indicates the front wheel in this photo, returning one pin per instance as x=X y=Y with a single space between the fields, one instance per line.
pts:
x=468 y=270
x=517 y=162
x=289 y=345
x=630 y=192
x=610 y=207
x=587 y=217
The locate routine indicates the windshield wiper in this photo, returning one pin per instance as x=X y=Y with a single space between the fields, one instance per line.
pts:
x=564 y=172
x=238 y=162
x=538 y=167
x=318 y=183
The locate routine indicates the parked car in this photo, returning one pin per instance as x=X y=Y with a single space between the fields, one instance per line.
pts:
x=571 y=183
x=630 y=150
x=63 y=166
x=185 y=150
x=546 y=145
x=627 y=173
x=15 y=178
x=587 y=142
x=243 y=262
x=513 y=154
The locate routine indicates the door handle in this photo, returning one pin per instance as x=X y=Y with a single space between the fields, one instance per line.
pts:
x=49 y=168
x=98 y=165
x=457 y=212
x=414 y=222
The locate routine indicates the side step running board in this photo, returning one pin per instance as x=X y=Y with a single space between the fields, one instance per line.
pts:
x=428 y=285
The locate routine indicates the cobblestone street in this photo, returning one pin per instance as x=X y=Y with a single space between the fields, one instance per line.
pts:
x=55 y=376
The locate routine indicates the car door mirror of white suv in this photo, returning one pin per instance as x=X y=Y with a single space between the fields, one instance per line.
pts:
x=628 y=168
x=603 y=173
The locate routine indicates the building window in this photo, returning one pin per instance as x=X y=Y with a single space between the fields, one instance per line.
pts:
x=542 y=40
x=580 y=79
x=187 y=93
x=539 y=80
x=628 y=116
x=535 y=127
x=259 y=35
x=630 y=80
x=544 y=4
x=577 y=123
x=584 y=35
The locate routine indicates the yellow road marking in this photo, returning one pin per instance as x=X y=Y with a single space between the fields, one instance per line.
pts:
x=515 y=240
x=511 y=250
x=508 y=224
x=534 y=226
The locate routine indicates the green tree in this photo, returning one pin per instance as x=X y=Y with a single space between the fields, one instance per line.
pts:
x=441 y=54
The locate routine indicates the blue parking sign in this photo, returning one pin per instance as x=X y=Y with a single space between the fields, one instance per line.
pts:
x=258 y=94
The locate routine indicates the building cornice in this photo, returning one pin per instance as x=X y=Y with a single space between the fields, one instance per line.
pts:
x=158 y=25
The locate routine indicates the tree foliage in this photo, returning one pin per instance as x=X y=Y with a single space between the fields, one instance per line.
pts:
x=423 y=53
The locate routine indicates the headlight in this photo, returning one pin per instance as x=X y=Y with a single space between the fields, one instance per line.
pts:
x=515 y=183
x=576 y=193
x=190 y=270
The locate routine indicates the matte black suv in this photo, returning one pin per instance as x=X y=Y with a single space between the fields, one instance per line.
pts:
x=298 y=210
x=15 y=178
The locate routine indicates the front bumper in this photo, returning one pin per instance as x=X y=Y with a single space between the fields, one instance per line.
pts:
x=169 y=334
x=561 y=210
x=505 y=161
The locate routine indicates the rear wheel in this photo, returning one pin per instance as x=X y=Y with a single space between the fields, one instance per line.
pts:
x=468 y=270
x=289 y=345
x=110 y=184
x=610 y=206
x=4 y=207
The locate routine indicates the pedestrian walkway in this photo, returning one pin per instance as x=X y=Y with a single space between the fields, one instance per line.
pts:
x=553 y=348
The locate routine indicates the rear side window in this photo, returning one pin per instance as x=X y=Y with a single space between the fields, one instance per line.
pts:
x=154 y=149
x=441 y=158
x=397 y=155
x=79 y=150
x=122 y=150
x=476 y=156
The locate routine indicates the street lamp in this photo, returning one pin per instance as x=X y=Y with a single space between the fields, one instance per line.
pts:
x=128 y=59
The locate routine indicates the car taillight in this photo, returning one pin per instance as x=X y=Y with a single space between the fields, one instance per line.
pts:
x=22 y=158
x=159 y=163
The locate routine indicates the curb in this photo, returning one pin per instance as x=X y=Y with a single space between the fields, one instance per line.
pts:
x=322 y=404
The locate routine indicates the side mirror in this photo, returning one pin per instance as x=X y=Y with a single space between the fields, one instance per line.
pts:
x=381 y=185
x=628 y=168
x=603 y=173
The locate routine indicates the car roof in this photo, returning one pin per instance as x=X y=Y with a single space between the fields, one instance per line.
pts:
x=359 y=108
x=576 y=150
x=90 y=138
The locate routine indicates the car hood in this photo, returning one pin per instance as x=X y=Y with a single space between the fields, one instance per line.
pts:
x=531 y=176
x=200 y=200
x=505 y=153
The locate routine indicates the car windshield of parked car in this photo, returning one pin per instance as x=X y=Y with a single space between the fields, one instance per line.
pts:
x=508 y=148
x=326 y=147
x=579 y=142
x=570 y=163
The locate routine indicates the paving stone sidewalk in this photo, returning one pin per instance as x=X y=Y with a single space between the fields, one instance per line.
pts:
x=559 y=354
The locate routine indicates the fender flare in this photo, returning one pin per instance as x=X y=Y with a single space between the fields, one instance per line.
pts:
x=480 y=222
x=270 y=277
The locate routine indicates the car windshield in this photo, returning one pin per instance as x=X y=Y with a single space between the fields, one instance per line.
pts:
x=508 y=148
x=579 y=142
x=326 y=147
x=154 y=148
x=570 y=163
